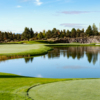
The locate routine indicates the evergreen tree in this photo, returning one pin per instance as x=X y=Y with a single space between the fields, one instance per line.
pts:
x=82 y=30
x=49 y=34
x=73 y=32
x=44 y=34
x=61 y=34
x=40 y=35
x=1 y=36
x=26 y=34
x=78 y=32
x=54 y=32
x=5 y=35
x=31 y=33
x=10 y=36
x=18 y=36
x=68 y=33
x=89 y=31
x=95 y=29
x=58 y=32
x=64 y=33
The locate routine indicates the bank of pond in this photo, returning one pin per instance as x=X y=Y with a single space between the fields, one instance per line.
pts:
x=61 y=62
x=70 y=71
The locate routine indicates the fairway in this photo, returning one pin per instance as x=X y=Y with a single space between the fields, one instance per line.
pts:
x=23 y=49
x=67 y=90
x=16 y=48
x=32 y=49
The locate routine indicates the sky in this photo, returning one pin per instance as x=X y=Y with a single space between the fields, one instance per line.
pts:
x=41 y=15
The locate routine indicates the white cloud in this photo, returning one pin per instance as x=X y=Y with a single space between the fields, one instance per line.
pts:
x=39 y=75
x=37 y=2
x=18 y=6
x=19 y=74
x=75 y=25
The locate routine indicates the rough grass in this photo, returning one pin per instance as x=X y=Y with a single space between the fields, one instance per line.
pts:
x=14 y=87
x=67 y=90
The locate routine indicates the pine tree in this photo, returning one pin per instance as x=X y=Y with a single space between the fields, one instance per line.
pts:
x=78 y=32
x=73 y=32
x=68 y=33
x=48 y=34
x=89 y=31
x=31 y=32
x=95 y=29
x=26 y=34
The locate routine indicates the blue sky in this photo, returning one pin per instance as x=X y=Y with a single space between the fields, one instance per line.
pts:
x=15 y=15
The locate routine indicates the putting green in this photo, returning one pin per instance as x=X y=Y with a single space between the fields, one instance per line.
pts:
x=67 y=90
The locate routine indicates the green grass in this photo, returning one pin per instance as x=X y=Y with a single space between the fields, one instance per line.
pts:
x=71 y=44
x=31 y=48
x=31 y=42
x=14 y=87
x=23 y=49
x=23 y=42
x=67 y=90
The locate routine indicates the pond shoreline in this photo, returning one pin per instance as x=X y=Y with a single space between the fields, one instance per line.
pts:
x=41 y=49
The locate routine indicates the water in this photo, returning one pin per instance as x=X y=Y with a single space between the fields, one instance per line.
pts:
x=62 y=62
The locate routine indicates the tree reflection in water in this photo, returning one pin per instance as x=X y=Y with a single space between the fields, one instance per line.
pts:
x=28 y=60
x=26 y=57
x=76 y=52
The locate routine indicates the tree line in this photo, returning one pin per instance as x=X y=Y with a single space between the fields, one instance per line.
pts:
x=54 y=33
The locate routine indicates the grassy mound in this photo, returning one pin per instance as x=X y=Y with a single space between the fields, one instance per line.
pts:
x=67 y=90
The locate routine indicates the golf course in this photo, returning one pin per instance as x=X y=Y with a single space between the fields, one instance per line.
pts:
x=14 y=87
x=49 y=50
x=67 y=90
x=17 y=87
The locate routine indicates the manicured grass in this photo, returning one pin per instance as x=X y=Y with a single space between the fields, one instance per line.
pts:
x=67 y=90
x=23 y=49
x=25 y=42
x=71 y=44
x=32 y=48
x=31 y=42
x=14 y=87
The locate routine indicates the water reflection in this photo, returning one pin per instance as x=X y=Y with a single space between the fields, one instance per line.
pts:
x=62 y=62
x=5 y=57
x=76 y=53
x=28 y=60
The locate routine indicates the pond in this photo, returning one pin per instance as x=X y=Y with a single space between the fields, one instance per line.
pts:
x=62 y=62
